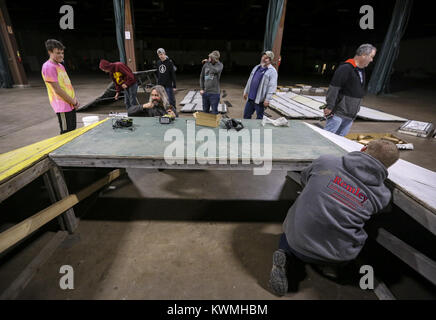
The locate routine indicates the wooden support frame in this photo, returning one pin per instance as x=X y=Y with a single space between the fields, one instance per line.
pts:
x=415 y=259
x=422 y=215
x=53 y=199
x=13 y=291
x=12 y=185
x=61 y=192
x=54 y=182
x=15 y=234
x=78 y=161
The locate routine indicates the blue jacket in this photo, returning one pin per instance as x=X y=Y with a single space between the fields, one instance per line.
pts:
x=267 y=86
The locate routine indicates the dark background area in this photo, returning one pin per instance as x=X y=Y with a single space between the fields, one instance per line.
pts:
x=316 y=32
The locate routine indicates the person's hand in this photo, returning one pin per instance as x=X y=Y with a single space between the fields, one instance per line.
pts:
x=327 y=112
x=174 y=90
x=204 y=61
x=124 y=86
x=171 y=113
x=201 y=92
x=76 y=104
x=245 y=96
x=266 y=104
x=148 y=105
x=116 y=95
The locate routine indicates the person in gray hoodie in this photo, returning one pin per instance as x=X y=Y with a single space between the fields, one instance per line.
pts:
x=261 y=86
x=210 y=82
x=324 y=226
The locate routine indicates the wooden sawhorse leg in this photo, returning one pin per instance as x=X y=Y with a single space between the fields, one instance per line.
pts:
x=58 y=190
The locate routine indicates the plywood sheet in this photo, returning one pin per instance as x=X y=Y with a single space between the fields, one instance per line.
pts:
x=294 y=143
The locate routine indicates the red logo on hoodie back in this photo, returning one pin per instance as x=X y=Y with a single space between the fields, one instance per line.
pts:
x=350 y=189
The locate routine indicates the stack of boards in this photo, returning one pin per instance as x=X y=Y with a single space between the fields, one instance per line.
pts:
x=417 y=128
x=365 y=138
x=304 y=89
x=297 y=106
x=193 y=102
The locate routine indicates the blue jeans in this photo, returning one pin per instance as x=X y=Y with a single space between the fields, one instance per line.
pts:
x=284 y=245
x=130 y=95
x=211 y=100
x=171 y=98
x=338 y=125
x=250 y=107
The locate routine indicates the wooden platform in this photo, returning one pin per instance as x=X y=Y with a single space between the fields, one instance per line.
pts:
x=293 y=147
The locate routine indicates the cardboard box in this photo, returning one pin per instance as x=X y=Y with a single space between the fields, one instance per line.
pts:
x=207 y=119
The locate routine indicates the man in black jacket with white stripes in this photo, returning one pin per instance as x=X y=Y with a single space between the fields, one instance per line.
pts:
x=346 y=91
x=166 y=75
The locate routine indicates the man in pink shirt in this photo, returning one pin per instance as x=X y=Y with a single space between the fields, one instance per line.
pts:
x=60 y=91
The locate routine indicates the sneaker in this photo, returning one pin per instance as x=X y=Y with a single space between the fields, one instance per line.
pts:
x=327 y=271
x=278 y=280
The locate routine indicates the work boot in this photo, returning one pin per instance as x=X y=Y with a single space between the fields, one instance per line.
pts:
x=278 y=279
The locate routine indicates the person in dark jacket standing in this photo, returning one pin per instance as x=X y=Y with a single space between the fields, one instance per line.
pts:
x=123 y=78
x=324 y=226
x=210 y=82
x=158 y=105
x=166 y=75
x=346 y=91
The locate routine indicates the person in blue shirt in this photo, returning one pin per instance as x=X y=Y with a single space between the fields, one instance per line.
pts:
x=261 y=86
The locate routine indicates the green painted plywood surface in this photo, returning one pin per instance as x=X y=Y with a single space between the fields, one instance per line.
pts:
x=297 y=142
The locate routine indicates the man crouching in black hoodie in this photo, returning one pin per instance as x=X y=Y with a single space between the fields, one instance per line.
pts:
x=324 y=226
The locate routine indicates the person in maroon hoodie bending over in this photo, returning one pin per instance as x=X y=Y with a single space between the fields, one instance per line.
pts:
x=123 y=78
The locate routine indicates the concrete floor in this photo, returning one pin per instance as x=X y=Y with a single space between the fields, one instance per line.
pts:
x=179 y=234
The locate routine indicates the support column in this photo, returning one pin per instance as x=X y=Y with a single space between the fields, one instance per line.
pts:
x=13 y=55
x=277 y=46
x=129 y=41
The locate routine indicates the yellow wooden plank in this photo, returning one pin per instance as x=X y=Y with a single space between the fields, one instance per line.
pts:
x=14 y=161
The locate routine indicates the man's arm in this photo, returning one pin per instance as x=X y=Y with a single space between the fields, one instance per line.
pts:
x=129 y=77
x=57 y=88
x=306 y=173
x=173 y=74
x=247 y=86
x=272 y=87
x=202 y=79
x=338 y=81
x=139 y=110
x=216 y=68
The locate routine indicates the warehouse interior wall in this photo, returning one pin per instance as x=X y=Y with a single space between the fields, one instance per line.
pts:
x=314 y=34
